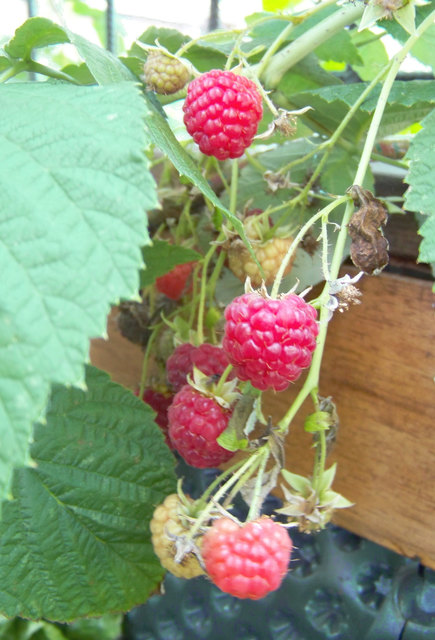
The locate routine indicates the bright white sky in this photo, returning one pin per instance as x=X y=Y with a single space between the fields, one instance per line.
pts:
x=134 y=16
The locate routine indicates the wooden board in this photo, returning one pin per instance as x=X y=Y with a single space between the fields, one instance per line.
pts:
x=379 y=367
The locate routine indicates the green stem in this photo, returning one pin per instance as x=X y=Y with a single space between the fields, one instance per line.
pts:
x=36 y=67
x=255 y=507
x=233 y=188
x=273 y=48
x=217 y=481
x=222 y=491
x=312 y=380
x=307 y=42
x=146 y=358
x=323 y=212
x=202 y=295
x=223 y=379
x=13 y=71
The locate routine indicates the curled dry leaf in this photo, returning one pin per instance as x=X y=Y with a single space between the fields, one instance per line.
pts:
x=369 y=247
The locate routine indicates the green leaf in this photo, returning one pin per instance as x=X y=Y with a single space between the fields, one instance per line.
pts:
x=339 y=48
x=373 y=55
x=305 y=75
x=421 y=179
x=328 y=478
x=5 y=63
x=421 y=175
x=79 y=72
x=297 y=482
x=33 y=34
x=74 y=186
x=104 y=66
x=75 y=538
x=171 y=39
x=408 y=102
x=108 y=627
x=161 y=257
x=340 y=170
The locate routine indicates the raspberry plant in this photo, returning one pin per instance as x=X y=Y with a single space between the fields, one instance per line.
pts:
x=104 y=195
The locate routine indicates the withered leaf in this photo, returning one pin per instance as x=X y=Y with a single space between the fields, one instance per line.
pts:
x=369 y=247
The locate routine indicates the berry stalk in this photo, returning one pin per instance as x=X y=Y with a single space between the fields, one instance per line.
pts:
x=306 y=43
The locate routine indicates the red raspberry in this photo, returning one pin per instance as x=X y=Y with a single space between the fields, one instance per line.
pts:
x=246 y=561
x=160 y=402
x=269 y=341
x=221 y=112
x=195 y=421
x=173 y=284
x=209 y=359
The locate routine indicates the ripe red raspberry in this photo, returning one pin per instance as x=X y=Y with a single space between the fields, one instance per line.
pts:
x=164 y=74
x=246 y=561
x=169 y=521
x=173 y=284
x=221 y=112
x=160 y=402
x=195 y=421
x=209 y=359
x=269 y=341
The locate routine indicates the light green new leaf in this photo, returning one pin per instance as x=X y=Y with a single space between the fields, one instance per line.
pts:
x=75 y=538
x=421 y=180
x=35 y=33
x=74 y=187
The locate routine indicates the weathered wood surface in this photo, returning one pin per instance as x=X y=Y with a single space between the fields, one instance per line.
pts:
x=379 y=367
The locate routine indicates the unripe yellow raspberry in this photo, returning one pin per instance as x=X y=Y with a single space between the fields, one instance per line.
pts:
x=168 y=522
x=164 y=74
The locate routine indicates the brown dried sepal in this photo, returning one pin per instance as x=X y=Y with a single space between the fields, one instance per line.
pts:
x=369 y=247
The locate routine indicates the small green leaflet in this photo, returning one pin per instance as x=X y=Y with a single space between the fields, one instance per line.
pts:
x=421 y=180
x=75 y=538
x=161 y=257
x=35 y=33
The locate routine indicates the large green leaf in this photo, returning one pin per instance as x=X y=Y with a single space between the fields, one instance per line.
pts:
x=408 y=102
x=34 y=33
x=75 y=538
x=421 y=180
x=74 y=186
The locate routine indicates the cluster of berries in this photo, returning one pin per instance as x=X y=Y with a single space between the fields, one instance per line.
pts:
x=267 y=341
x=245 y=560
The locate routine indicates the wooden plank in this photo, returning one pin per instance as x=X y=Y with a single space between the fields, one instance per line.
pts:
x=379 y=366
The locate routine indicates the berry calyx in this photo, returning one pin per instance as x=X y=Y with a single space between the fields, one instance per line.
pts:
x=269 y=341
x=247 y=561
x=221 y=112
x=163 y=73
x=195 y=422
x=173 y=284
x=160 y=402
x=208 y=358
x=168 y=524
